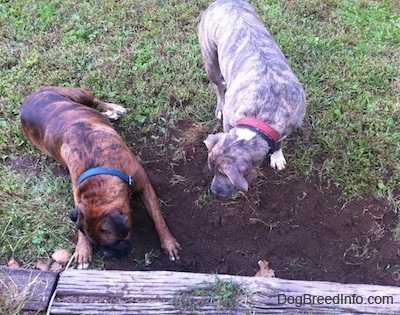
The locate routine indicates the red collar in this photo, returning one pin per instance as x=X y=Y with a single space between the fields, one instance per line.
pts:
x=261 y=126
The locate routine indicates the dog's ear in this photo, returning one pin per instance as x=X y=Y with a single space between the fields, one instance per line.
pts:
x=236 y=178
x=74 y=214
x=212 y=140
x=117 y=223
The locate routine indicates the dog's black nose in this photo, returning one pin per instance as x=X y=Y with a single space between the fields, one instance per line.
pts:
x=107 y=253
x=116 y=251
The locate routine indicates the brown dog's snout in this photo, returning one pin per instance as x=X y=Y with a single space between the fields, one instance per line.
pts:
x=118 y=250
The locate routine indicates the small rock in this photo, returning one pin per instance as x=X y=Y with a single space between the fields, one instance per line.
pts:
x=61 y=256
x=56 y=267
x=42 y=265
x=13 y=263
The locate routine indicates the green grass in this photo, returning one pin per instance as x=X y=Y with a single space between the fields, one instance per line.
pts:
x=12 y=296
x=145 y=56
x=349 y=64
x=223 y=294
x=34 y=210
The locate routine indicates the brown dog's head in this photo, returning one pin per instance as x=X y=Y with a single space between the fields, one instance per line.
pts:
x=234 y=161
x=110 y=230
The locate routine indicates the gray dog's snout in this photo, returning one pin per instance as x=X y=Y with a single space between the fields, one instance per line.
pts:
x=223 y=190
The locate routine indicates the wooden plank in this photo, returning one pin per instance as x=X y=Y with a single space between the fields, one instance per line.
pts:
x=35 y=287
x=164 y=292
x=145 y=308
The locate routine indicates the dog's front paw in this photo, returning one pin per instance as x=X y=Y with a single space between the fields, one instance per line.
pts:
x=83 y=257
x=171 y=247
x=82 y=260
x=83 y=253
x=82 y=266
x=278 y=161
x=218 y=109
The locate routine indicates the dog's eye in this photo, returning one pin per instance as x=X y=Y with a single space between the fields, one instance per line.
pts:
x=105 y=231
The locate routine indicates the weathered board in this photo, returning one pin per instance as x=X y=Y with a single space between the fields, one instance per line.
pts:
x=35 y=287
x=162 y=292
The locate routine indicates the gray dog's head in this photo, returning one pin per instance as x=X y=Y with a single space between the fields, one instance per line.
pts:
x=234 y=161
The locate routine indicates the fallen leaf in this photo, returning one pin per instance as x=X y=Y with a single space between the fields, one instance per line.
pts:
x=264 y=270
x=61 y=256
x=13 y=263
x=42 y=265
x=56 y=267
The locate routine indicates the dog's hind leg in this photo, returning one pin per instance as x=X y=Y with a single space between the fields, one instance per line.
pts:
x=113 y=112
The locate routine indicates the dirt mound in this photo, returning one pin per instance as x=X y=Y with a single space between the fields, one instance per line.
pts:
x=299 y=226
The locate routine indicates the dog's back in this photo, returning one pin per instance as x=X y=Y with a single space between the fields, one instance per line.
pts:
x=233 y=29
x=52 y=113
x=258 y=78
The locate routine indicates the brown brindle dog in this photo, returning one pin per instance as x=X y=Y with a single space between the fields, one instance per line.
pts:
x=60 y=122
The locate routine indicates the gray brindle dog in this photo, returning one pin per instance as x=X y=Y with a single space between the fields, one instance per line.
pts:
x=258 y=96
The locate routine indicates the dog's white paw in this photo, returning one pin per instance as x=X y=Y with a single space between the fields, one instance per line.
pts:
x=115 y=113
x=219 y=115
x=82 y=266
x=278 y=161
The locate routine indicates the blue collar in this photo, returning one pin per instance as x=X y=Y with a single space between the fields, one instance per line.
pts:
x=108 y=171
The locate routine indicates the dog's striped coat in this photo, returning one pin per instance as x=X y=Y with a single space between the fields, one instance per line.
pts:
x=242 y=57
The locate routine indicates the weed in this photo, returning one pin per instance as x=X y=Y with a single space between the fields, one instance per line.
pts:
x=147 y=260
x=296 y=265
x=223 y=294
x=187 y=142
x=377 y=232
x=250 y=197
x=364 y=250
x=177 y=180
x=396 y=272
x=97 y=261
x=205 y=199
x=269 y=225
x=187 y=302
x=396 y=232
x=13 y=298
x=360 y=250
